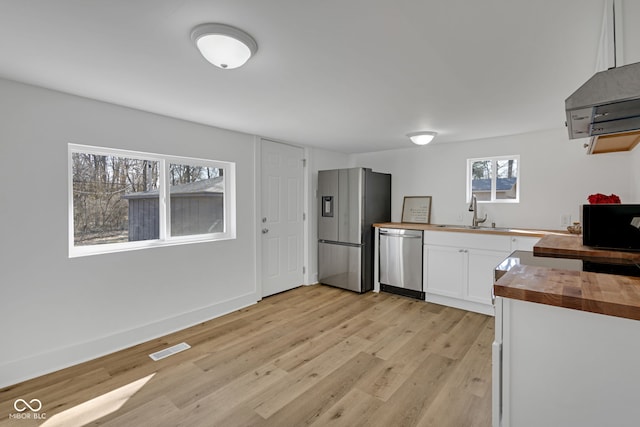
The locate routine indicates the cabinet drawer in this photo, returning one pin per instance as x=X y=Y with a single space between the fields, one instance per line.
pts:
x=468 y=240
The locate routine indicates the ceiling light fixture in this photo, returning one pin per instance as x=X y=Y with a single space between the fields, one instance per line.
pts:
x=422 y=138
x=224 y=46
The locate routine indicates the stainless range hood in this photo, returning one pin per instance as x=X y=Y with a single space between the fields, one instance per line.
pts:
x=608 y=103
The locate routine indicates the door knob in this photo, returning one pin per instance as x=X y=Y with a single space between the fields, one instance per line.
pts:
x=265 y=230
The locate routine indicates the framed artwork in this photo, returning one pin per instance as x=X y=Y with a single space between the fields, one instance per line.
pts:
x=416 y=209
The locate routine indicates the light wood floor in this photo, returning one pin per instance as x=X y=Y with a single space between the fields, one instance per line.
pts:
x=315 y=355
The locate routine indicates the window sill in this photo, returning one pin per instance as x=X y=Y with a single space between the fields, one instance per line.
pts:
x=82 y=251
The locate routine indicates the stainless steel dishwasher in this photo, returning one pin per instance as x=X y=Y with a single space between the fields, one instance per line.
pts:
x=401 y=262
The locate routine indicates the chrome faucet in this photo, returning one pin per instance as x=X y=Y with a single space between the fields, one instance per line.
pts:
x=473 y=207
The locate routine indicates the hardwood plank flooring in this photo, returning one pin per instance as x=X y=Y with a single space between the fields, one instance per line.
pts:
x=314 y=355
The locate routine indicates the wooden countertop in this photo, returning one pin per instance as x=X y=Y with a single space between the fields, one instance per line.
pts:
x=579 y=290
x=608 y=294
x=463 y=229
x=570 y=246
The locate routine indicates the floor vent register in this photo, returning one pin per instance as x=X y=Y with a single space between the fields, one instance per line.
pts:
x=169 y=351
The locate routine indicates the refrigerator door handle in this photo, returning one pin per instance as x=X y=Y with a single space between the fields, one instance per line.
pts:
x=332 y=242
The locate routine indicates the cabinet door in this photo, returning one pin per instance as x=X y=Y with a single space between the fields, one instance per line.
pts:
x=521 y=243
x=444 y=270
x=481 y=265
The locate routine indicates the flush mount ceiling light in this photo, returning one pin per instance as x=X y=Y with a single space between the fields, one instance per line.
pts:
x=422 y=138
x=224 y=46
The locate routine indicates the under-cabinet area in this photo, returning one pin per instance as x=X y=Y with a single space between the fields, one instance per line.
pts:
x=457 y=265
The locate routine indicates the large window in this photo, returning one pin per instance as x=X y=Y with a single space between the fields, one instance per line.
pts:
x=494 y=179
x=121 y=200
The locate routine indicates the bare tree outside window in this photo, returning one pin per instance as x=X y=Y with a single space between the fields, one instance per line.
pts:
x=100 y=212
x=506 y=179
x=481 y=179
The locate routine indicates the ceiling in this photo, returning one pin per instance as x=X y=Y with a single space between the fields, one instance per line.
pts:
x=352 y=76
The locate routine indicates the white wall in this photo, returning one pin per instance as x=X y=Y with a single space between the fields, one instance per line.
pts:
x=56 y=311
x=556 y=178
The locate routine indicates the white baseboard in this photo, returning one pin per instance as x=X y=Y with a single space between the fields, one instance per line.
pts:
x=44 y=363
x=460 y=303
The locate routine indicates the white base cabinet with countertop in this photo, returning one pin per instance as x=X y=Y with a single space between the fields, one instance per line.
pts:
x=458 y=267
x=554 y=366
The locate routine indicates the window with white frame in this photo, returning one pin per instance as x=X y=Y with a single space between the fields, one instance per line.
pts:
x=494 y=179
x=122 y=200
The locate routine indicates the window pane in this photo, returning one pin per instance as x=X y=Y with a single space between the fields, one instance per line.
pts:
x=197 y=199
x=115 y=199
x=506 y=179
x=481 y=179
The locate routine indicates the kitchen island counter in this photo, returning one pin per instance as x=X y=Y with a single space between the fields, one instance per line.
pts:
x=609 y=294
x=567 y=337
x=596 y=292
x=570 y=246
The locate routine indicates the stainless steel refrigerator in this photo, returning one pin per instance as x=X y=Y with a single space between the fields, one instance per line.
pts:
x=351 y=201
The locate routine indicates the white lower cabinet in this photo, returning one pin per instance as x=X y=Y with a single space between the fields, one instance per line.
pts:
x=444 y=268
x=480 y=267
x=458 y=268
x=556 y=366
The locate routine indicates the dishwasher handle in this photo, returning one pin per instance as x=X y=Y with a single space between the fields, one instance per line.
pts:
x=401 y=233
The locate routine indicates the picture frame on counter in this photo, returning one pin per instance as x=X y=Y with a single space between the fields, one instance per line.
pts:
x=416 y=209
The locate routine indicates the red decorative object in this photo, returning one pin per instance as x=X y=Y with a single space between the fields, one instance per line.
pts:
x=598 y=198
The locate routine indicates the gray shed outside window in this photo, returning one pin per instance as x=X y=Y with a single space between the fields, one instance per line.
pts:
x=196 y=208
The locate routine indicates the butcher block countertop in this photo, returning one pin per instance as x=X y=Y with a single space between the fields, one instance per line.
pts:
x=570 y=246
x=579 y=290
x=465 y=229
x=608 y=294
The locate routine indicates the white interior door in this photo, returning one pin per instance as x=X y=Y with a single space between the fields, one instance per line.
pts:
x=282 y=222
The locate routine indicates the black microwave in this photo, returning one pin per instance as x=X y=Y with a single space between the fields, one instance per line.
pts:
x=611 y=226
